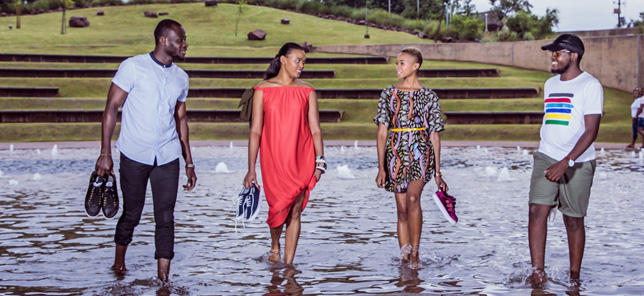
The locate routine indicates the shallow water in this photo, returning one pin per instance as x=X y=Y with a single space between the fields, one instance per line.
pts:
x=348 y=242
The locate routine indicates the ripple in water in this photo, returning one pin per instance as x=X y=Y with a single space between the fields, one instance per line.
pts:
x=348 y=241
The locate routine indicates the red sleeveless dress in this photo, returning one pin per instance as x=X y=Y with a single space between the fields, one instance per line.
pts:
x=286 y=151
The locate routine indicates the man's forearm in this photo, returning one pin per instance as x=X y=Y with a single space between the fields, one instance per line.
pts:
x=107 y=129
x=184 y=132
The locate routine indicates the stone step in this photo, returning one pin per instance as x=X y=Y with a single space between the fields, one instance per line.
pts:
x=215 y=73
x=65 y=58
x=30 y=116
x=193 y=73
x=365 y=93
x=518 y=117
x=463 y=72
x=28 y=91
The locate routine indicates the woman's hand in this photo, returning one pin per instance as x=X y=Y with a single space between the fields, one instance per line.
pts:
x=317 y=175
x=380 y=178
x=250 y=179
x=440 y=183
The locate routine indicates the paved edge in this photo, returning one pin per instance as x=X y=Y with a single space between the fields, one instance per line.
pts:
x=329 y=143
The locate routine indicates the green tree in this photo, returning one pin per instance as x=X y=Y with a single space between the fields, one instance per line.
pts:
x=502 y=9
x=241 y=9
x=639 y=23
x=65 y=4
x=466 y=27
x=467 y=8
x=528 y=26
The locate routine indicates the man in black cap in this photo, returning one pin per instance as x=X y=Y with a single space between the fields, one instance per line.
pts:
x=565 y=164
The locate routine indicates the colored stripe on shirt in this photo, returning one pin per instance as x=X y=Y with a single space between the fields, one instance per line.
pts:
x=553 y=105
x=558 y=116
x=558 y=108
x=559 y=122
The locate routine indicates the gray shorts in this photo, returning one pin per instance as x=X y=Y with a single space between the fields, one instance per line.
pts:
x=570 y=194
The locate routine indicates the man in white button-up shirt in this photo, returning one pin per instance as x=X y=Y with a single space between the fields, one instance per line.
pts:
x=154 y=134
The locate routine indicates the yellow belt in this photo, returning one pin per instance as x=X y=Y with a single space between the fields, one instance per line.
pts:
x=407 y=129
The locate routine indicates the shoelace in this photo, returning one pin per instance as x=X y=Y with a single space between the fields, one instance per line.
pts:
x=91 y=196
x=241 y=198
x=96 y=184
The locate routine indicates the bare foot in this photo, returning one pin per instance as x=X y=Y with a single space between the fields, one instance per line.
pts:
x=163 y=269
x=119 y=270
x=119 y=260
x=538 y=278
x=574 y=278
x=274 y=256
x=414 y=262
x=404 y=253
x=630 y=146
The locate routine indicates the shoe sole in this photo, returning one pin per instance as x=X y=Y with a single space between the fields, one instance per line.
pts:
x=443 y=210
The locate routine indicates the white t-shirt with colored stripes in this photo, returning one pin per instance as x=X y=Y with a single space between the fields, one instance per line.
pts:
x=565 y=105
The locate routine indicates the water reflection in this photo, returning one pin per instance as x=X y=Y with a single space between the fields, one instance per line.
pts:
x=409 y=281
x=348 y=243
x=283 y=282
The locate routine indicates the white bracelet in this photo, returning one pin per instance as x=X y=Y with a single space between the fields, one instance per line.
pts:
x=190 y=165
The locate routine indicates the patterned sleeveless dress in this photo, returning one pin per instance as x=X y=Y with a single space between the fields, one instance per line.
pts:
x=409 y=154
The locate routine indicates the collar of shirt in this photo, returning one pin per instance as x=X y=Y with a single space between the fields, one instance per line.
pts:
x=159 y=62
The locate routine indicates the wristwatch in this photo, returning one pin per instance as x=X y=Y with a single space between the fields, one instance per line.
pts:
x=571 y=162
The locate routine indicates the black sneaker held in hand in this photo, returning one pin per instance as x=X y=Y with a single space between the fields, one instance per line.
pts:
x=110 y=197
x=94 y=195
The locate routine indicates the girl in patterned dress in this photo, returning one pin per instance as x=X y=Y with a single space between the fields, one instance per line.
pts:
x=409 y=119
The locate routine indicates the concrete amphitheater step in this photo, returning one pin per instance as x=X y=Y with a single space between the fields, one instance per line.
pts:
x=365 y=93
x=517 y=117
x=208 y=73
x=28 y=91
x=193 y=73
x=64 y=58
x=462 y=72
x=59 y=116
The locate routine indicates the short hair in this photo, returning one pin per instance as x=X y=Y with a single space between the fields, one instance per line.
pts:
x=415 y=52
x=163 y=27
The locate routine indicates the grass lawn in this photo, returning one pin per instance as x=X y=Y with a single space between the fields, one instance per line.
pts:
x=125 y=31
x=210 y=31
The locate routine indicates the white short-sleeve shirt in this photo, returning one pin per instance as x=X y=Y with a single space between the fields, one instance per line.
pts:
x=635 y=106
x=565 y=105
x=148 y=128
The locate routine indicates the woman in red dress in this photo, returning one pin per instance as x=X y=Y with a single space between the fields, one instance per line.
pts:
x=286 y=128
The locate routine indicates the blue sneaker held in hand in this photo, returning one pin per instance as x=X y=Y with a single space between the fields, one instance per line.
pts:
x=248 y=204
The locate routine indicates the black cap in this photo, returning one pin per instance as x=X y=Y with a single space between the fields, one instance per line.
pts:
x=566 y=41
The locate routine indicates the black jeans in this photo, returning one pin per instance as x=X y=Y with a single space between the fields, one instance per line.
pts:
x=165 y=183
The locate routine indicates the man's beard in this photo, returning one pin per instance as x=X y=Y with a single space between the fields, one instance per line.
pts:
x=560 y=70
x=174 y=52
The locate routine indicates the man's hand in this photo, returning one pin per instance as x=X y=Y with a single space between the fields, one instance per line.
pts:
x=192 y=179
x=556 y=171
x=104 y=165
